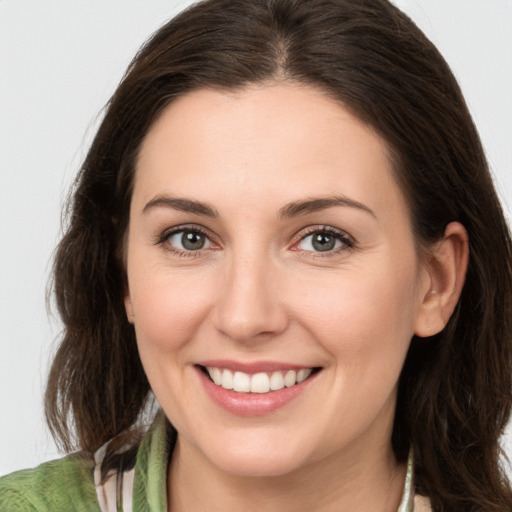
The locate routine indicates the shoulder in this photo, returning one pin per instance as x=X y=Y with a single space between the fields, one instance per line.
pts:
x=65 y=484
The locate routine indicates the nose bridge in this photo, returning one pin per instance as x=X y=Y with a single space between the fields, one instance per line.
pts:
x=250 y=304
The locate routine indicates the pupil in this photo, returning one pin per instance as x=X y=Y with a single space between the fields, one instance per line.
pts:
x=192 y=241
x=322 y=242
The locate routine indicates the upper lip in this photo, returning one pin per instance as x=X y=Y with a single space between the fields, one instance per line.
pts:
x=253 y=366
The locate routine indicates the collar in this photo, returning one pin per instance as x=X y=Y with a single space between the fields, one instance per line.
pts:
x=407 y=502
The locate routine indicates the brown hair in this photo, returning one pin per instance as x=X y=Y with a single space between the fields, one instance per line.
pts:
x=455 y=389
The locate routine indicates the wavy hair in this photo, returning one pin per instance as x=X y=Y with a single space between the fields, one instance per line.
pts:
x=454 y=393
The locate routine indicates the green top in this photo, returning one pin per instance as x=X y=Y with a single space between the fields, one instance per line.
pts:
x=68 y=484
x=64 y=484
x=72 y=484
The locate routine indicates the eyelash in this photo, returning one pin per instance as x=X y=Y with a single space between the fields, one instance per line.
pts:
x=163 y=240
x=346 y=240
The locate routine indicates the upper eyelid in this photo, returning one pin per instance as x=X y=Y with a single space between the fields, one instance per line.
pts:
x=185 y=227
x=304 y=232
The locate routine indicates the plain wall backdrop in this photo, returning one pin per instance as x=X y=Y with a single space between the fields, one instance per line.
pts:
x=59 y=63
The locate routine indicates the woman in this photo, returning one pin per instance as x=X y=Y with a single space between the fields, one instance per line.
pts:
x=286 y=230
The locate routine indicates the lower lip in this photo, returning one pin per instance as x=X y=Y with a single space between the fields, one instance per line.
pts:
x=252 y=404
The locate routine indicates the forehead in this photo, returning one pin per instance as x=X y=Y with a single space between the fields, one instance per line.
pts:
x=271 y=142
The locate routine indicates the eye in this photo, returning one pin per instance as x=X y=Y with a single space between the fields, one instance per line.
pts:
x=188 y=240
x=324 y=240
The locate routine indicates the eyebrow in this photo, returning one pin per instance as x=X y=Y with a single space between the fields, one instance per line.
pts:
x=181 y=204
x=293 y=209
x=312 y=205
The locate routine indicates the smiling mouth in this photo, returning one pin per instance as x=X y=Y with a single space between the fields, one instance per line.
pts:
x=263 y=382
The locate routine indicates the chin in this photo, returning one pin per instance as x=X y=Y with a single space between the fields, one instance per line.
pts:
x=260 y=458
x=257 y=466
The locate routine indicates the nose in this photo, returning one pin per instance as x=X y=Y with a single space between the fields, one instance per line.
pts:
x=250 y=307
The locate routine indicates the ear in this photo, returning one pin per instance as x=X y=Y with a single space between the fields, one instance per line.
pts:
x=446 y=264
x=128 y=305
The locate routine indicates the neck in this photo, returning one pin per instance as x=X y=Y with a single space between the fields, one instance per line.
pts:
x=372 y=481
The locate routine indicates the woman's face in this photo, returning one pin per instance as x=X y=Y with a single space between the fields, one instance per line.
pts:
x=269 y=242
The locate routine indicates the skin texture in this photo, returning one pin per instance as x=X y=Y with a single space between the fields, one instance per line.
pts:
x=258 y=291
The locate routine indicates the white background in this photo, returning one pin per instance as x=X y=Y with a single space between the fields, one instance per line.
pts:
x=59 y=63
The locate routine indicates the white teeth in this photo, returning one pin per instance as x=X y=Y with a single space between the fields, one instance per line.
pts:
x=216 y=375
x=241 y=382
x=259 y=382
x=290 y=378
x=227 y=379
x=276 y=381
x=303 y=374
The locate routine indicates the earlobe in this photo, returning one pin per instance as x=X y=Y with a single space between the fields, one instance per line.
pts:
x=446 y=267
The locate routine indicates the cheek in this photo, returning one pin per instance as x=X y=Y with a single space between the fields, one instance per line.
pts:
x=364 y=319
x=168 y=314
x=167 y=308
